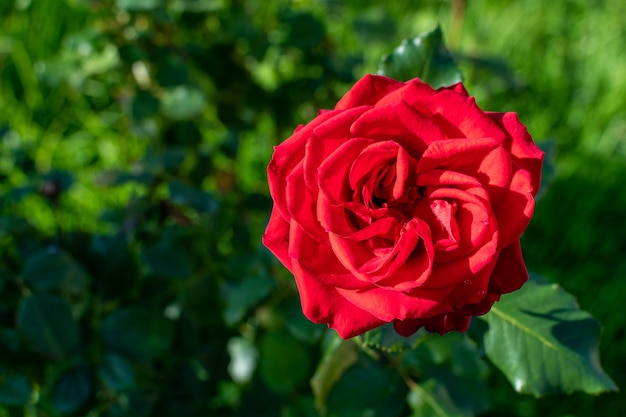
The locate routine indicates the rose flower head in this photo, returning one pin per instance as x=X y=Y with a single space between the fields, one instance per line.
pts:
x=404 y=204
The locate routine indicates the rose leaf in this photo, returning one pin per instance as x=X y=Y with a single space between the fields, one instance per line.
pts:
x=424 y=57
x=540 y=339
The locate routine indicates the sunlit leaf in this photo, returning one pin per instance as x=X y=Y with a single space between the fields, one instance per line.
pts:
x=544 y=343
x=424 y=57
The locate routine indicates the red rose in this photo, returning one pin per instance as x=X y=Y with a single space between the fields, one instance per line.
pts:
x=404 y=204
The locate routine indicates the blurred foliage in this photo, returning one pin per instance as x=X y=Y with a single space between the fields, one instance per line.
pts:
x=134 y=136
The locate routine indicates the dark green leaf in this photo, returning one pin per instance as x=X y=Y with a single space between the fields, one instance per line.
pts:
x=53 y=269
x=298 y=325
x=137 y=332
x=339 y=355
x=15 y=390
x=245 y=295
x=167 y=258
x=368 y=388
x=73 y=389
x=116 y=373
x=45 y=322
x=424 y=57
x=385 y=338
x=454 y=363
x=285 y=363
x=303 y=30
x=144 y=105
x=187 y=195
x=544 y=343
x=431 y=399
x=115 y=267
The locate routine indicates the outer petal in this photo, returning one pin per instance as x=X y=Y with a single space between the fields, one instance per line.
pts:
x=516 y=208
x=276 y=237
x=510 y=272
x=285 y=158
x=457 y=115
x=324 y=304
x=520 y=144
x=367 y=91
x=389 y=305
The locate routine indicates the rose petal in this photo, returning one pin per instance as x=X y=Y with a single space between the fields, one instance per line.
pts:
x=324 y=304
x=302 y=205
x=516 y=208
x=400 y=122
x=367 y=91
x=318 y=260
x=285 y=158
x=388 y=305
x=457 y=115
x=521 y=146
x=510 y=272
x=326 y=138
x=276 y=237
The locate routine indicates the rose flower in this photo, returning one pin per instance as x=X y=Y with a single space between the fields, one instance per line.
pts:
x=404 y=204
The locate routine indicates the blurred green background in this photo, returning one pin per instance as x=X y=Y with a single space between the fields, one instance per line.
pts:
x=134 y=137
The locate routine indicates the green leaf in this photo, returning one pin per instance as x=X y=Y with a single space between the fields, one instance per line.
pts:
x=167 y=258
x=183 y=102
x=284 y=362
x=73 y=389
x=45 y=322
x=339 y=355
x=116 y=373
x=187 y=195
x=15 y=390
x=298 y=325
x=138 y=5
x=53 y=269
x=453 y=363
x=368 y=388
x=424 y=57
x=245 y=295
x=113 y=264
x=431 y=399
x=137 y=332
x=544 y=343
x=385 y=338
